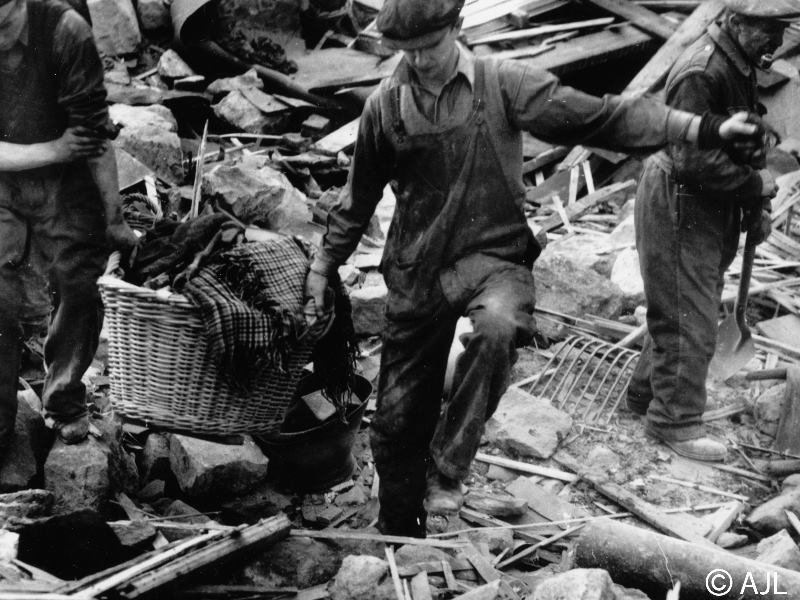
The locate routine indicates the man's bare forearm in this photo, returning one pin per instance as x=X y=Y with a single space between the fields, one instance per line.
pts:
x=21 y=157
x=104 y=173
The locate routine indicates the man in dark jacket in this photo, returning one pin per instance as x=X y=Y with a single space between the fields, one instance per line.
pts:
x=59 y=200
x=689 y=212
x=445 y=131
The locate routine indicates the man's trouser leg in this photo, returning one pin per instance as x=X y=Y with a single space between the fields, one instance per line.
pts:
x=685 y=243
x=500 y=304
x=413 y=362
x=13 y=238
x=70 y=241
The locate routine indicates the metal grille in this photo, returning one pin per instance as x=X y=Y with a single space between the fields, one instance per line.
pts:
x=586 y=377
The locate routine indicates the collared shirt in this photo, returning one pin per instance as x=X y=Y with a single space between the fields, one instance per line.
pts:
x=532 y=100
x=80 y=90
x=714 y=75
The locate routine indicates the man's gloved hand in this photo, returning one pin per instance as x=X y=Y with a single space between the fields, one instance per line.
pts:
x=79 y=143
x=746 y=137
x=316 y=285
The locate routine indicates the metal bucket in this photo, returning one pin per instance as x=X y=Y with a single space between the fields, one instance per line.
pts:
x=319 y=457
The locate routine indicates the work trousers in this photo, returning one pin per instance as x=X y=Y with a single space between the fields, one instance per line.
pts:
x=685 y=244
x=63 y=236
x=414 y=428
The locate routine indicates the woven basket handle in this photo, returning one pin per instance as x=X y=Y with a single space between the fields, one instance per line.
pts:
x=113 y=263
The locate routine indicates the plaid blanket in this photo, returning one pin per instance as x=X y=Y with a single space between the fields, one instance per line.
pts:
x=251 y=300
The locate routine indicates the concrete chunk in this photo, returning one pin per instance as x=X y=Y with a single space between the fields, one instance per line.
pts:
x=209 y=469
x=527 y=426
x=362 y=578
x=149 y=133
x=779 y=550
x=770 y=517
x=577 y=584
x=114 y=25
x=153 y=14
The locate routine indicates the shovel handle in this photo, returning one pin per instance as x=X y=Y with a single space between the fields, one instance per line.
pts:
x=744 y=280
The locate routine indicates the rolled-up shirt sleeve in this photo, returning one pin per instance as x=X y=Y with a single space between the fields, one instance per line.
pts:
x=370 y=171
x=537 y=102
x=79 y=74
x=711 y=172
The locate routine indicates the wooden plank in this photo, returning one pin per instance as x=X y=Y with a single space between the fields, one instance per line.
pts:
x=550 y=506
x=487 y=572
x=722 y=519
x=341 y=140
x=640 y=16
x=522 y=467
x=473 y=516
x=339 y=534
x=657 y=68
x=585 y=204
x=531 y=32
x=673 y=525
x=594 y=49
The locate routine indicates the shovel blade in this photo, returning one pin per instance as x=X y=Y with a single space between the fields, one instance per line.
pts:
x=735 y=348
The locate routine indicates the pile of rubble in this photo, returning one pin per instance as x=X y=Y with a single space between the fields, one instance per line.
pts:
x=254 y=109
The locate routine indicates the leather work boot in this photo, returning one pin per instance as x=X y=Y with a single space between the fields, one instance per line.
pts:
x=73 y=432
x=444 y=495
x=704 y=449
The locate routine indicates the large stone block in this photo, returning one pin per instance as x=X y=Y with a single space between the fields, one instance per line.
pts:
x=223 y=85
x=208 y=469
x=79 y=475
x=527 y=426
x=23 y=459
x=149 y=133
x=154 y=462
x=171 y=66
x=153 y=14
x=238 y=111
x=257 y=193
x=114 y=25
x=362 y=578
x=577 y=584
x=779 y=550
x=770 y=517
x=627 y=276
x=563 y=285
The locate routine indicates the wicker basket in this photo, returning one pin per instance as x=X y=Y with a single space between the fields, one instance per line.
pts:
x=161 y=373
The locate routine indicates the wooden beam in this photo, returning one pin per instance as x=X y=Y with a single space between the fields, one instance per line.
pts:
x=640 y=16
x=594 y=49
x=524 y=34
x=585 y=204
x=657 y=68
x=671 y=524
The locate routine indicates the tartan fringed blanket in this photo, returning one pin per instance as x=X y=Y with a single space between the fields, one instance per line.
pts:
x=250 y=299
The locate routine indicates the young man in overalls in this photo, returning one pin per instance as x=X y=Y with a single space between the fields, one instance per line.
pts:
x=445 y=131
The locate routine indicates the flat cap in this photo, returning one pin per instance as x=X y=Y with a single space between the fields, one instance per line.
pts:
x=784 y=10
x=411 y=24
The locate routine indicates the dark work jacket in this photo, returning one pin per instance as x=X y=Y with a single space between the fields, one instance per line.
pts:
x=714 y=75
